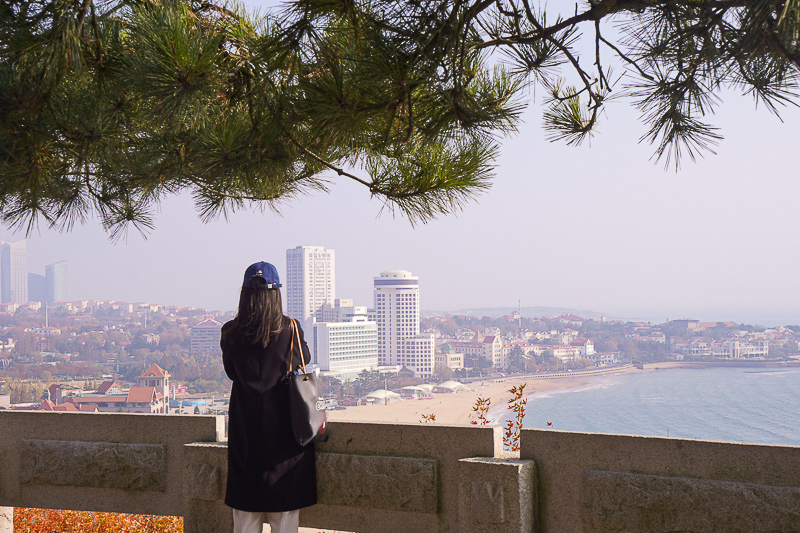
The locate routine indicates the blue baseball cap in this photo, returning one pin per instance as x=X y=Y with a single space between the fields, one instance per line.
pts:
x=262 y=270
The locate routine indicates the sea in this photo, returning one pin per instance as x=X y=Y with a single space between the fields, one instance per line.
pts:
x=741 y=404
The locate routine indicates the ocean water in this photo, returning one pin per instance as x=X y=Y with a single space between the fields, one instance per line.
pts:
x=757 y=405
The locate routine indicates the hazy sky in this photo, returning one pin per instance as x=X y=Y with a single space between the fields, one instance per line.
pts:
x=599 y=227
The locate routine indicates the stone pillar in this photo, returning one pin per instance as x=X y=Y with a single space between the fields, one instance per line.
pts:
x=497 y=496
x=6 y=520
x=205 y=467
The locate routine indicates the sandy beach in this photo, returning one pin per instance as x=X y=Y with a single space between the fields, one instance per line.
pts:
x=456 y=408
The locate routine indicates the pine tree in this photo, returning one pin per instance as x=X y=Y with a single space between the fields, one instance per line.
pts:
x=107 y=107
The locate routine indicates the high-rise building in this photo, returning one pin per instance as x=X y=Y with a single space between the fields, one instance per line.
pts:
x=14 y=272
x=310 y=281
x=397 y=315
x=56 y=282
x=36 y=288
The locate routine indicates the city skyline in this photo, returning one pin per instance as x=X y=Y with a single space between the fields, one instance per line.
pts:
x=597 y=228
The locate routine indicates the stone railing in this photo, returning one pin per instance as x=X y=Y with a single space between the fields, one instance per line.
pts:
x=407 y=478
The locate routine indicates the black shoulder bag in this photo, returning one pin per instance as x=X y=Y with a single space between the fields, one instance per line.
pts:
x=306 y=406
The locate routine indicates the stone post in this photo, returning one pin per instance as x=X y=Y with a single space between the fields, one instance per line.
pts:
x=497 y=496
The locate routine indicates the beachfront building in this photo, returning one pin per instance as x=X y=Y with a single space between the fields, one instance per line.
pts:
x=310 y=282
x=396 y=312
x=585 y=346
x=741 y=349
x=603 y=358
x=448 y=358
x=344 y=349
x=489 y=348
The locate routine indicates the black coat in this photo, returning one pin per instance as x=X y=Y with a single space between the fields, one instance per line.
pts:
x=267 y=470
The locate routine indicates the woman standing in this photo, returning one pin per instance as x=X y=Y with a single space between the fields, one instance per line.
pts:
x=270 y=476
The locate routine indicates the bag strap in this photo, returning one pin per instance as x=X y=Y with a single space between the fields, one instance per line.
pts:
x=295 y=333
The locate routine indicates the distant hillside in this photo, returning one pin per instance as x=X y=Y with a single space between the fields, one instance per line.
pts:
x=527 y=312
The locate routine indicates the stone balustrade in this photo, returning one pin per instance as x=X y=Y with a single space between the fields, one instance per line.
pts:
x=407 y=477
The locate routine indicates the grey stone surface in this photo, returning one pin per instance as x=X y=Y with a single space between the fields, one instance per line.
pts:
x=633 y=503
x=205 y=472
x=377 y=482
x=486 y=503
x=110 y=465
x=204 y=482
x=497 y=495
x=208 y=517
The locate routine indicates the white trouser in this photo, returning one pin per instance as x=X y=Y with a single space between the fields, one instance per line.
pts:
x=244 y=522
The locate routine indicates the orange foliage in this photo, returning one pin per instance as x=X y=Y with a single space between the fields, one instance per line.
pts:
x=482 y=408
x=49 y=521
x=514 y=427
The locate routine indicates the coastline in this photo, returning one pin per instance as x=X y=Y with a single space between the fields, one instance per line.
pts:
x=456 y=408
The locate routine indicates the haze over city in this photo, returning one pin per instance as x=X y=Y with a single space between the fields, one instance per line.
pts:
x=597 y=228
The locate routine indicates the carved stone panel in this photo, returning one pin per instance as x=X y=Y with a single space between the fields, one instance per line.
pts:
x=378 y=482
x=108 y=465
x=204 y=482
x=633 y=503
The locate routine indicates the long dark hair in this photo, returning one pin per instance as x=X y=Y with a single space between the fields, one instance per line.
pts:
x=260 y=317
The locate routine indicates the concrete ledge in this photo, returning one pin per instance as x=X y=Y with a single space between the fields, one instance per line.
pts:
x=637 y=503
x=109 y=465
x=114 y=462
x=431 y=452
x=378 y=482
x=565 y=490
x=408 y=478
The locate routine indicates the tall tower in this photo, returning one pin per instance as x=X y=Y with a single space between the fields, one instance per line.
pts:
x=397 y=314
x=56 y=282
x=310 y=281
x=14 y=272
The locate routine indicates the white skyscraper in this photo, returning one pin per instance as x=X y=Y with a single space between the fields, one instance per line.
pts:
x=397 y=316
x=310 y=281
x=14 y=272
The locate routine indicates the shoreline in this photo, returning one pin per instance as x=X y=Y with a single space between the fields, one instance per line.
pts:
x=456 y=408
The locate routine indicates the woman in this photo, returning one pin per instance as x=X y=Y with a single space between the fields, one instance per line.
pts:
x=270 y=476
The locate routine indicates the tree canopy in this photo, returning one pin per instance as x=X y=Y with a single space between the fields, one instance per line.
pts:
x=108 y=106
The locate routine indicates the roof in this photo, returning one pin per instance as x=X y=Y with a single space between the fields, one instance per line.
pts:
x=106 y=386
x=47 y=405
x=208 y=322
x=380 y=393
x=141 y=395
x=450 y=384
x=98 y=399
x=154 y=371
